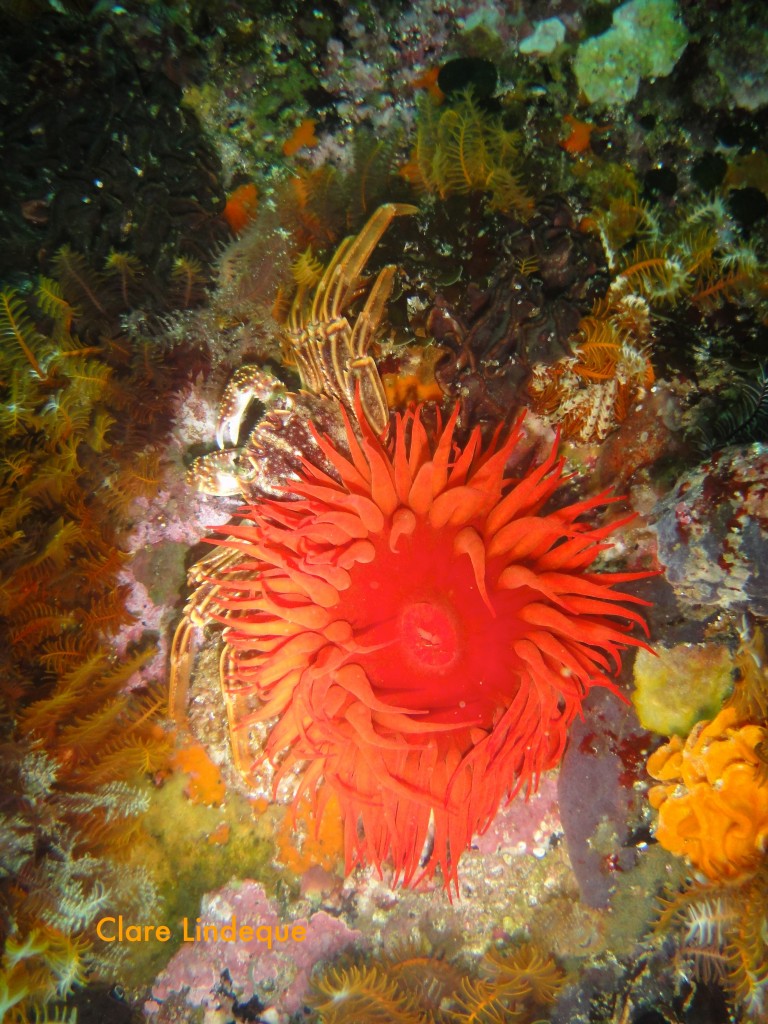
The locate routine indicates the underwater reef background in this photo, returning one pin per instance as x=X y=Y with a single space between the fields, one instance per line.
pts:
x=384 y=520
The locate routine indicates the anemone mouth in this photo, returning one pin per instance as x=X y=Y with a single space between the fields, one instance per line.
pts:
x=429 y=636
x=425 y=633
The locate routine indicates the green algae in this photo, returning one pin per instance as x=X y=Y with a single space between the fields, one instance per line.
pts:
x=180 y=851
x=681 y=685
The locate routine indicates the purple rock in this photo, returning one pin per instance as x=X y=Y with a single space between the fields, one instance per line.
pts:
x=600 y=803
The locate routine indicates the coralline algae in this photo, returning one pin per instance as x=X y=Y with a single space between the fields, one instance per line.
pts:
x=712 y=532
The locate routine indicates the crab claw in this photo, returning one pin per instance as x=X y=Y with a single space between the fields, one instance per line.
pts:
x=248 y=383
x=218 y=473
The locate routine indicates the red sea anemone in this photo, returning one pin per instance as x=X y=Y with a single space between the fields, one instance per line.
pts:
x=420 y=632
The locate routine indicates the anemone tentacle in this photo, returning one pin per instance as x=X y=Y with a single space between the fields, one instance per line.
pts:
x=420 y=632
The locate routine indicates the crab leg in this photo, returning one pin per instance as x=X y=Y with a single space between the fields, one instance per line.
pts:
x=370 y=315
x=357 y=255
x=296 y=313
x=308 y=360
x=182 y=659
x=361 y=373
x=319 y=310
x=235 y=705
x=333 y=351
x=182 y=656
x=364 y=378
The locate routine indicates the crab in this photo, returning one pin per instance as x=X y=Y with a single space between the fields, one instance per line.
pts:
x=334 y=363
x=337 y=371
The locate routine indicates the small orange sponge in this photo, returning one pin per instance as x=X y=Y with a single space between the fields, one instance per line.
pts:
x=713 y=801
x=205 y=785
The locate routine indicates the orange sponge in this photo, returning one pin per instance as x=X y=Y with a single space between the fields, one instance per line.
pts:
x=713 y=801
